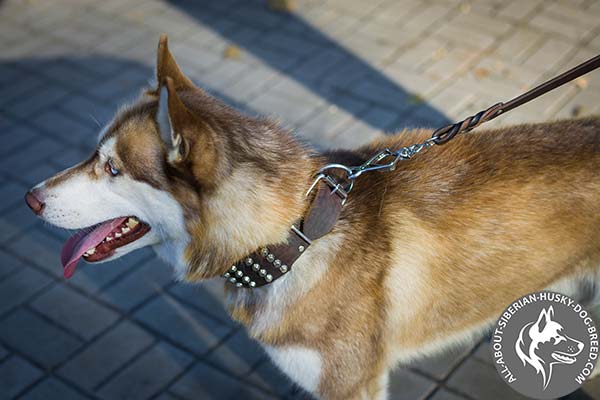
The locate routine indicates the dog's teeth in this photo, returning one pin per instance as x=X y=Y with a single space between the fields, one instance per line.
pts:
x=108 y=238
x=125 y=230
x=117 y=235
x=132 y=222
x=91 y=251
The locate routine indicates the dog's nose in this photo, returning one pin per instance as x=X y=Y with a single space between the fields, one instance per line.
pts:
x=32 y=200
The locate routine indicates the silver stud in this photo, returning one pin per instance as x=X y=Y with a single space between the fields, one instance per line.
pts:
x=262 y=272
x=233 y=268
x=226 y=275
x=270 y=258
x=249 y=261
x=239 y=284
x=255 y=267
x=283 y=268
x=264 y=252
x=252 y=284
x=239 y=274
x=269 y=278
x=300 y=248
x=246 y=279
x=277 y=263
x=232 y=280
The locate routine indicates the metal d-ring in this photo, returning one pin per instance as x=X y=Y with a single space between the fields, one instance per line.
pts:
x=336 y=187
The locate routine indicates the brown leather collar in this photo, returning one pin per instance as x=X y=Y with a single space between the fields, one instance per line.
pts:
x=270 y=263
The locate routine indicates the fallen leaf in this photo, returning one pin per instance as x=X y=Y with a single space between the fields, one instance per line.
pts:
x=281 y=5
x=415 y=99
x=232 y=52
x=481 y=72
x=582 y=82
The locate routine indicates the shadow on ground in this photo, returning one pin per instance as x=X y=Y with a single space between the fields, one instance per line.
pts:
x=309 y=54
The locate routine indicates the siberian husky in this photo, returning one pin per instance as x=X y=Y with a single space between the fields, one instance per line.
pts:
x=420 y=259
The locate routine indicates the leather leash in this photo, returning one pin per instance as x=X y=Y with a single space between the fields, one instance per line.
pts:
x=446 y=133
x=270 y=263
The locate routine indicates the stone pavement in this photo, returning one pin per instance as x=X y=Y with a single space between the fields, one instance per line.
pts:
x=341 y=72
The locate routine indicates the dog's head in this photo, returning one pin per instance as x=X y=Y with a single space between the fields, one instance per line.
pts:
x=544 y=343
x=180 y=171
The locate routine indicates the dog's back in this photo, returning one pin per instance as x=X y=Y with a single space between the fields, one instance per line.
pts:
x=462 y=230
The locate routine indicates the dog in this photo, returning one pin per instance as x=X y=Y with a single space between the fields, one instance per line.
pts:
x=543 y=344
x=420 y=259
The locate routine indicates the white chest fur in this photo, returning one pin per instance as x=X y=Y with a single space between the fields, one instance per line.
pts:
x=301 y=364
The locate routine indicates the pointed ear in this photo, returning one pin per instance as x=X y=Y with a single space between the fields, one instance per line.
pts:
x=167 y=67
x=172 y=118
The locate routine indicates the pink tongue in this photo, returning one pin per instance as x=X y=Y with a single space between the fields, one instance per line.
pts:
x=82 y=241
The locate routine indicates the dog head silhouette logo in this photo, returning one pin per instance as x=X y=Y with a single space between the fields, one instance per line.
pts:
x=544 y=344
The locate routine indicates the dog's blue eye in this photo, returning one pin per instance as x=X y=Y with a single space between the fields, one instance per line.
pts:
x=109 y=168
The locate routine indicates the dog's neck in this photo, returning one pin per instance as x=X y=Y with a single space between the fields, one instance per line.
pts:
x=252 y=206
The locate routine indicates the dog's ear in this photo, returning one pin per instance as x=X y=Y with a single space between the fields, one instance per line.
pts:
x=167 y=67
x=173 y=118
x=184 y=133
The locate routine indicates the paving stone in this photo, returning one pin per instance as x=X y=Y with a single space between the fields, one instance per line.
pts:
x=17 y=89
x=483 y=352
x=11 y=193
x=51 y=388
x=481 y=381
x=66 y=128
x=519 y=10
x=16 y=136
x=144 y=281
x=464 y=37
x=39 y=173
x=38 y=101
x=148 y=374
x=15 y=375
x=85 y=108
x=20 y=286
x=551 y=53
x=208 y=296
x=105 y=355
x=73 y=311
x=405 y=384
x=9 y=264
x=38 y=339
x=70 y=158
x=238 y=354
x=444 y=394
x=268 y=377
x=15 y=222
x=205 y=382
x=182 y=324
x=284 y=107
x=36 y=151
x=39 y=248
x=3 y=353
x=93 y=278
x=440 y=366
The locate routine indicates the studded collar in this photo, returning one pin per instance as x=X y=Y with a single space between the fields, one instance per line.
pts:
x=270 y=263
